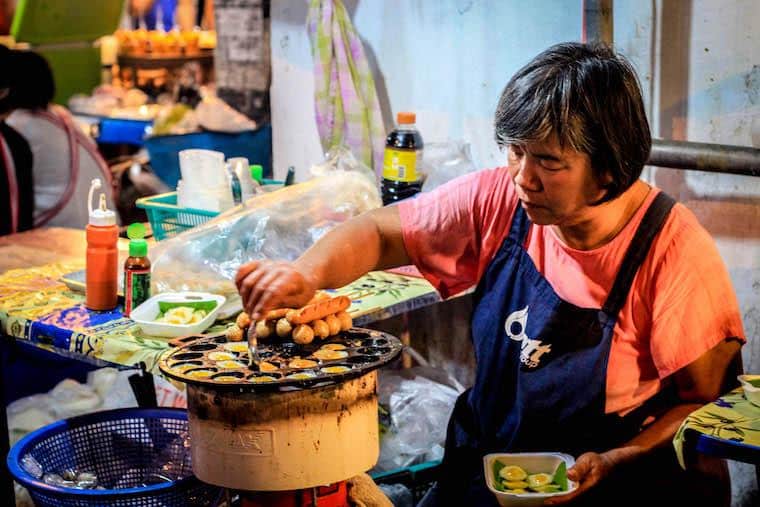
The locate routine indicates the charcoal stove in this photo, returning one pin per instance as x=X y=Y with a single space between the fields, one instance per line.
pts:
x=297 y=425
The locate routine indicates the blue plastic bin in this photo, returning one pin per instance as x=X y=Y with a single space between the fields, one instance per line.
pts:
x=123 y=131
x=255 y=145
x=126 y=446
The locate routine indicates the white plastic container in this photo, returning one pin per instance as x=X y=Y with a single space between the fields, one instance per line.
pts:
x=751 y=392
x=533 y=463
x=146 y=314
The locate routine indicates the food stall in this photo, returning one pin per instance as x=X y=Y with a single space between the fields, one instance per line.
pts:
x=280 y=297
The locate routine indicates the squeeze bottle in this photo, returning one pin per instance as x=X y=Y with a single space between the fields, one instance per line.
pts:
x=102 y=254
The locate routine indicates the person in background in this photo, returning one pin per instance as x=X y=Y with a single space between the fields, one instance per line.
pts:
x=65 y=159
x=603 y=314
x=16 y=186
x=185 y=13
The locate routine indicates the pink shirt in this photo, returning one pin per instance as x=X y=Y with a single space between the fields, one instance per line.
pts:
x=681 y=303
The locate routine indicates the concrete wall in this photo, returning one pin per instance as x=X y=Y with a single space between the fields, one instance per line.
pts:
x=698 y=61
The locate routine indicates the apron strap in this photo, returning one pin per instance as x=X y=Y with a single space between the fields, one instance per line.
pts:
x=520 y=226
x=638 y=250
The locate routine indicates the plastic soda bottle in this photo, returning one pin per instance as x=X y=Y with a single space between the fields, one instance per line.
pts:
x=403 y=155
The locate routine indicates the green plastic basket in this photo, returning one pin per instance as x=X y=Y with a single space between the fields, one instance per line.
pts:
x=418 y=478
x=167 y=219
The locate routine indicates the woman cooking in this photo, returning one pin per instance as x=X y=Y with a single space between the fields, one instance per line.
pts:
x=603 y=313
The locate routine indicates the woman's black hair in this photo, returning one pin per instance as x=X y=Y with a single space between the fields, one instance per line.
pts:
x=590 y=98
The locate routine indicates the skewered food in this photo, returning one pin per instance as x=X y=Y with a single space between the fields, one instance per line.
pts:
x=243 y=320
x=234 y=334
x=303 y=334
x=321 y=328
x=333 y=323
x=284 y=328
x=322 y=317
x=265 y=329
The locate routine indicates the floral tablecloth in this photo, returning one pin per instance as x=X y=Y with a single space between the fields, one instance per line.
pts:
x=35 y=306
x=731 y=417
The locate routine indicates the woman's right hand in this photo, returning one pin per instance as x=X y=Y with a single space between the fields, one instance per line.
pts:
x=266 y=285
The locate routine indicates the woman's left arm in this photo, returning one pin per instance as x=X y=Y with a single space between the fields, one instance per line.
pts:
x=698 y=383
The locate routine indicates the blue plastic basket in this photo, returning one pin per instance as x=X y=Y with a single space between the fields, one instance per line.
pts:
x=124 y=446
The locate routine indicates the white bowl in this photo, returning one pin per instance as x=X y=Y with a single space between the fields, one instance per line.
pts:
x=751 y=392
x=533 y=463
x=145 y=314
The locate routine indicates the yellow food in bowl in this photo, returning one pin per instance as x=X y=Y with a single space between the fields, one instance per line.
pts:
x=221 y=356
x=236 y=347
x=199 y=374
x=230 y=365
x=336 y=369
x=329 y=355
x=302 y=363
x=301 y=376
x=333 y=346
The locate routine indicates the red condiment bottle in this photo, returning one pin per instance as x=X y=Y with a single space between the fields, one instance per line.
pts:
x=102 y=254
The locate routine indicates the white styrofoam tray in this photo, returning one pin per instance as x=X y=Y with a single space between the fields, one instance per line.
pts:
x=145 y=314
x=533 y=463
x=751 y=392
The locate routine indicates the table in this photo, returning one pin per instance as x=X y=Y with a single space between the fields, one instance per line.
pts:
x=39 y=309
x=727 y=428
x=36 y=307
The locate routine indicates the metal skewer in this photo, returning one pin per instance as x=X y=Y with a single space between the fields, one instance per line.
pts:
x=253 y=352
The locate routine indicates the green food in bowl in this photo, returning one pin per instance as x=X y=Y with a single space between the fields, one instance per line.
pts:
x=513 y=479
x=755 y=382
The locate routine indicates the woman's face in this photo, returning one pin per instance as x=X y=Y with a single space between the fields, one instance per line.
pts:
x=555 y=185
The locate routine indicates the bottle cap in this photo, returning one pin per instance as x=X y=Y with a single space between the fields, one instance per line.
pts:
x=257 y=172
x=100 y=216
x=406 y=117
x=138 y=247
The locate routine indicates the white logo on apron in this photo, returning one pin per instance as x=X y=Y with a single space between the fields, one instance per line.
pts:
x=531 y=350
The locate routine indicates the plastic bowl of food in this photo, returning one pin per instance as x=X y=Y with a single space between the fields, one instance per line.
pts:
x=528 y=479
x=751 y=386
x=178 y=313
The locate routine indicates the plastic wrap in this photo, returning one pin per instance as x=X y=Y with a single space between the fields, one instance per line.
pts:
x=419 y=412
x=444 y=162
x=106 y=388
x=398 y=494
x=341 y=158
x=277 y=225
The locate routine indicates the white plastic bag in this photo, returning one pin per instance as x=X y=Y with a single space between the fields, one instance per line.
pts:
x=444 y=162
x=214 y=114
x=420 y=409
x=106 y=388
x=276 y=225
x=341 y=158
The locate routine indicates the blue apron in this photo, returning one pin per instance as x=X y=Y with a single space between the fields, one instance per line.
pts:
x=541 y=367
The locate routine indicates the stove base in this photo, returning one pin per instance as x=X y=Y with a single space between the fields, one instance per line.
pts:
x=334 y=495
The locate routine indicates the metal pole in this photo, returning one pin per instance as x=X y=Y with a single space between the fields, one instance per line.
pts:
x=596 y=22
x=714 y=158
